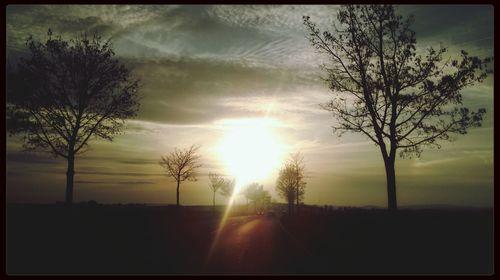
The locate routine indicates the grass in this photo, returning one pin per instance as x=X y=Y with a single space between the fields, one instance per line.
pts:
x=100 y=239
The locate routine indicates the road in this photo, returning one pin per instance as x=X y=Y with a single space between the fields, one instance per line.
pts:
x=254 y=245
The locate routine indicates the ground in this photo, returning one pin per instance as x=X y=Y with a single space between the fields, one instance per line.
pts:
x=99 y=239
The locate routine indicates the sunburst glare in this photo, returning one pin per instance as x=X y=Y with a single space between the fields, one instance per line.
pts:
x=251 y=149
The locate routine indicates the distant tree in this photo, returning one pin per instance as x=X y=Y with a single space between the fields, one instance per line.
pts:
x=384 y=89
x=181 y=165
x=254 y=192
x=65 y=92
x=290 y=184
x=216 y=182
x=264 y=199
x=268 y=202
x=247 y=193
x=285 y=185
x=227 y=188
x=296 y=162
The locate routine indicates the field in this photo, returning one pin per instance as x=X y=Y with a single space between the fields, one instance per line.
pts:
x=112 y=239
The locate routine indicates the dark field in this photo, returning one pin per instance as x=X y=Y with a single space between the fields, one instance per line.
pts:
x=54 y=239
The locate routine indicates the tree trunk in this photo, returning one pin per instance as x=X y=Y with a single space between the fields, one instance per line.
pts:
x=297 y=194
x=69 y=178
x=178 y=184
x=391 y=184
x=213 y=200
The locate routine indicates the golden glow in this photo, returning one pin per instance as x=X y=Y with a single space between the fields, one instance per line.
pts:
x=250 y=149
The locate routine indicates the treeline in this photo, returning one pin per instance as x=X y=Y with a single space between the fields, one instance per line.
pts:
x=181 y=165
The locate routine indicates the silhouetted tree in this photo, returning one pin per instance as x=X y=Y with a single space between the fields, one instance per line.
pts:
x=216 y=182
x=181 y=165
x=285 y=185
x=247 y=193
x=383 y=88
x=296 y=162
x=65 y=92
x=254 y=192
x=264 y=199
x=227 y=188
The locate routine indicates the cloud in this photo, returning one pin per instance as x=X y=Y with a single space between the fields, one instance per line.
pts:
x=165 y=32
x=418 y=164
x=24 y=20
x=37 y=158
x=453 y=24
x=191 y=91
x=274 y=18
x=91 y=182
x=266 y=34
x=139 y=161
x=133 y=174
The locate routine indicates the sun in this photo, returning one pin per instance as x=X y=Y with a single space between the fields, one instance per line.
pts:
x=251 y=149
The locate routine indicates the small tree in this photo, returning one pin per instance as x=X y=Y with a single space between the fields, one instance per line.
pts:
x=264 y=199
x=254 y=192
x=285 y=185
x=227 y=188
x=64 y=93
x=181 y=165
x=384 y=89
x=296 y=162
x=216 y=182
x=247 y=193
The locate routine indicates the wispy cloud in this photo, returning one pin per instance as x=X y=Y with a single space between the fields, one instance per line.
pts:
x=132 y=174
x=92 y=182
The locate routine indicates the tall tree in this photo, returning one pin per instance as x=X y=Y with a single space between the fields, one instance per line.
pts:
x=65 y=92
x=181 y=165
x=216 y=182
x=385 y=89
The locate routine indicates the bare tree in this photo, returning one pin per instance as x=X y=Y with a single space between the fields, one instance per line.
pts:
x=216 y=182
x=64 y=93
x=181 y=165
x=401 y=100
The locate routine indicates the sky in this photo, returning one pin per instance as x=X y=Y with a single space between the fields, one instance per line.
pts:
x=209 y=72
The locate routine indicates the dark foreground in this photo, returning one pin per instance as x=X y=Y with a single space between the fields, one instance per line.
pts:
x=54 y=239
